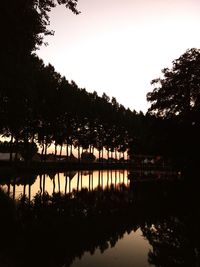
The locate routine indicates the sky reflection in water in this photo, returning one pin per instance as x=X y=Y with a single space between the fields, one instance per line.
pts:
x=130 y=251
x=65 y=182
x=137 y=224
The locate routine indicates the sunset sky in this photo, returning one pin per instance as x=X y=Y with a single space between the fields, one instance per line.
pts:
x=119 y=46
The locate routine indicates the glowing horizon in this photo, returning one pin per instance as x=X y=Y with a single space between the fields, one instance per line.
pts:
x=118 y=47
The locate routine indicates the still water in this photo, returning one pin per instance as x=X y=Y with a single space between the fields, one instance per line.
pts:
x=98 y=218
x=64 y=182
x=67 y=182
x=130 y=251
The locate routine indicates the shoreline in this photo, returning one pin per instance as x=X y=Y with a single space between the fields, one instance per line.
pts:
x=11 y=168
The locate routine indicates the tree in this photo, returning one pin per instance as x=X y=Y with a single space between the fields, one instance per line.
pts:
x=25 y=23
x=37 y=104
x=176 y=99
x=172 y=244
x=177 y=93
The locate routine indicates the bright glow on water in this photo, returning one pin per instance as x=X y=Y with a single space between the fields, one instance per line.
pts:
x=65 y=182
x=130 y=251
x=147 y=222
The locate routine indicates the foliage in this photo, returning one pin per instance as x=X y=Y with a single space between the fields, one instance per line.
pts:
x=86 y=156
x=39 y=106
x=176 y=101
x=177 y=93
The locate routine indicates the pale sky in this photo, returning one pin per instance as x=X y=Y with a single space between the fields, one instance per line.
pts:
x=119 y=46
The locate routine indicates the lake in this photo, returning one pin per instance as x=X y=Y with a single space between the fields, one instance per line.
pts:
x=64 y=182
x=99 y=218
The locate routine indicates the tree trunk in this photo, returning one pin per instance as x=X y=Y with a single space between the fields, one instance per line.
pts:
x=89 y=182
x=11 y=147
x=8 y=184
x=61 y=150
x=45 y=152
x=107 y=179
x=42 y=153
x=29 y=194
x=69 y=185
x=79 y=156
x=24 y=191
x=67 y=150
x=99 y=178
x=78 y=181
x=58 y=182
x=92 y=177
x=44 y=183
x=54 y=185
x=55 y=153
x=81 y=174
x=115 y=179
x=66 y=185
x=16 y=147
x=41 y=183
x=14 y=188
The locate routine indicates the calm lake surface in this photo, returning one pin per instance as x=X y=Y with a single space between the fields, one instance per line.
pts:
x=98 y=218
x=64 y=182
x=131 y=251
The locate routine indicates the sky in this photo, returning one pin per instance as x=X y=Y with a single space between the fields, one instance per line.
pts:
x=119 y=46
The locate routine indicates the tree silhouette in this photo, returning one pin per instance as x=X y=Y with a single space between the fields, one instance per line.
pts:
x=39 y=106
x=172 y=243
x=176 y=100
x=177 y=94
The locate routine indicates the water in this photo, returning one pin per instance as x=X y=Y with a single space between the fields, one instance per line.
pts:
x=99 y=218
x=64 y=182
x=130 y=251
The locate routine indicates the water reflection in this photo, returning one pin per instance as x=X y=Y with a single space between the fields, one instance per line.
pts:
x=98 y=218
x=65 y=182
x=175 y=242
x=131 y=250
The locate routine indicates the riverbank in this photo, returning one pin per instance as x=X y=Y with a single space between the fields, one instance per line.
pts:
x=37 y=167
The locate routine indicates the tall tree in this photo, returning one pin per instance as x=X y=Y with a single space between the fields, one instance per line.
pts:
x=176 y=97
x=177 y=93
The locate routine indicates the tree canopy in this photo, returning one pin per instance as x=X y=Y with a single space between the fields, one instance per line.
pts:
x=177 y=93
x=39 y=106
x=25 y=22
x=175 y=99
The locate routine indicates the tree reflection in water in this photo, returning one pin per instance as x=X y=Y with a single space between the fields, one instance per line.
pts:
x=53 y=182
x=175 y=242
x=53 y=230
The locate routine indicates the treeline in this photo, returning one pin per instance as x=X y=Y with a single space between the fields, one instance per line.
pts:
x=47 y=109
x=39 y=106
